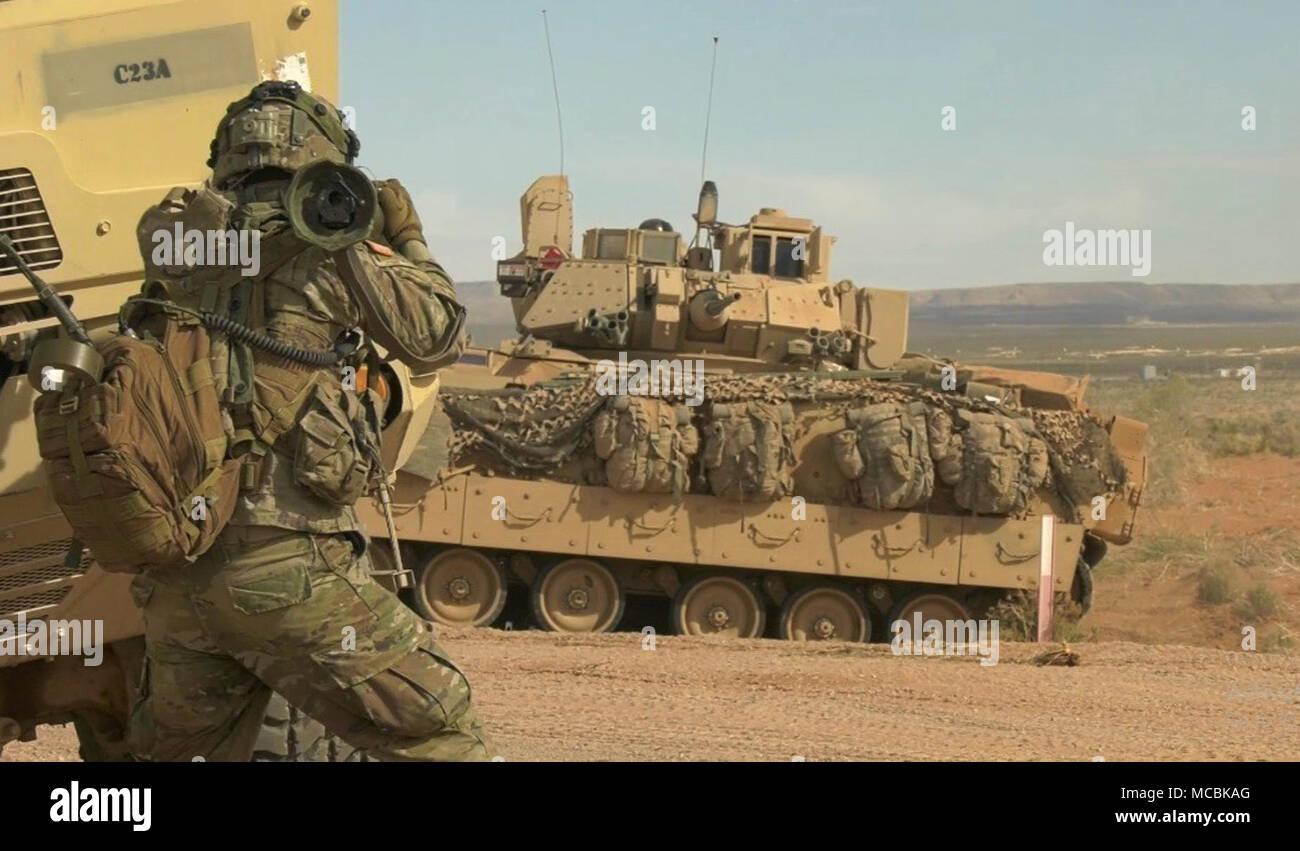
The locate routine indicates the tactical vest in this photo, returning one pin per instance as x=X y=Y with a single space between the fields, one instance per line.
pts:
x=306 y=440
x=304 y=427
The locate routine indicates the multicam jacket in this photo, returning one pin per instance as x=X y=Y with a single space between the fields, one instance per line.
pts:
x=305 y=431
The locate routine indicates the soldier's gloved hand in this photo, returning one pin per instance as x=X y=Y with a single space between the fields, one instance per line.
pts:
x=401 y=221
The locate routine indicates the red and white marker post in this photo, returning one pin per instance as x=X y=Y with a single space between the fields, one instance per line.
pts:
x=1046 y=579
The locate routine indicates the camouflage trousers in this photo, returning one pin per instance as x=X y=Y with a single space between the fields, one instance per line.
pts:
x=269 y=609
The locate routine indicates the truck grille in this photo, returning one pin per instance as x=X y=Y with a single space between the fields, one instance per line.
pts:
x=24 y=220
x=34 y=579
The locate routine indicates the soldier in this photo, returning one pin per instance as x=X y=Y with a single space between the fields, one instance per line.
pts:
x=284 y=599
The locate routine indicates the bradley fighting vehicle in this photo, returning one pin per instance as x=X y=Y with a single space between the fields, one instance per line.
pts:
x=725 y=426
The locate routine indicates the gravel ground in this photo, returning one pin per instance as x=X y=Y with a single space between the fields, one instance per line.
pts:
x=557 y=697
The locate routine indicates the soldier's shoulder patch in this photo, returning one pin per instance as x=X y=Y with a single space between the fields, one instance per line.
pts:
x=379 y=248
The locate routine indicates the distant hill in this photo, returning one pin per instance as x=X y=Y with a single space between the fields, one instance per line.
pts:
x=1108 y=303
x=1094 y=303
x=490 y=319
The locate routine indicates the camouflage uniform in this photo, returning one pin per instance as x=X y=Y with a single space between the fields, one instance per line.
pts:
x=284 y=600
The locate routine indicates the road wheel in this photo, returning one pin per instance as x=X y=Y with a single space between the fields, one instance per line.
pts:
x=718 y=604
x=931 y=605
x=577 y=595
x=460 y=587
x=287 y=735
x=823 y=613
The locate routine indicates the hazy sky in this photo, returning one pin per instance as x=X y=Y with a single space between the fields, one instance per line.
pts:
x=1110 y=115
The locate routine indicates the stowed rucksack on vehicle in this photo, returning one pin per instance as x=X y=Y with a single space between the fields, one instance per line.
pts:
x=892 y=452
x=747 y=452
x=886 y=453
x=136 y=461
x=646 y=444
x=992 y=462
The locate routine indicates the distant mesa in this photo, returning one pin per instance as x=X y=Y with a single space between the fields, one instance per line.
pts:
x=1109 y=303
x=1093 y=303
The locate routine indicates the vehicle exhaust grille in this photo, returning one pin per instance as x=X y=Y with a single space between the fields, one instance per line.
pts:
x=35 y=578
x=33 y=604
x=24 y=220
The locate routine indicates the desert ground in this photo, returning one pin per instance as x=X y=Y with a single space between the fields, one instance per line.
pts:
x=549 y=697
x=1162 y=673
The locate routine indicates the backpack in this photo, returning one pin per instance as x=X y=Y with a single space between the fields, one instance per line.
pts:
x=1000 y=462
x=885 y=451
x=137 y=461
x=747 y=452
x=646 y=445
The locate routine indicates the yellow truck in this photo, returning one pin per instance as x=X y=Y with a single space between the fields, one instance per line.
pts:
x=105 y=107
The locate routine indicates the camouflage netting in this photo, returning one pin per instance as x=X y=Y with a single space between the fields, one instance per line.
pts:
x=900 y=445
x=531 y=430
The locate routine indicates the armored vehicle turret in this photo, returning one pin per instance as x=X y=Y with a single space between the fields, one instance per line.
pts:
x=757 y=296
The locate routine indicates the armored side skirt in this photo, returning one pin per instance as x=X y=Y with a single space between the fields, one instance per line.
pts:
x=697 y=530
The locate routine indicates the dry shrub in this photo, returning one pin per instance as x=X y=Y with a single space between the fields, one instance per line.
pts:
x=1174 y=454
x=1248 y=435
x=1017 y=617
x=1258 y=603
x=1212 y=586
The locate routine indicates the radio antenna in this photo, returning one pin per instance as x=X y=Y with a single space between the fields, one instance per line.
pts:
x=555 y=86
x=708 y=115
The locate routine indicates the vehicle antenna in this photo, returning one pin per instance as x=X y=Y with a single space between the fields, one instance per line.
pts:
x=709 y=112
x=559 y=120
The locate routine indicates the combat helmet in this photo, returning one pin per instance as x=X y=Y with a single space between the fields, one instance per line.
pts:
x=278 y=125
